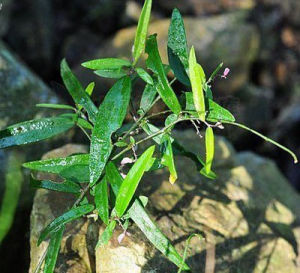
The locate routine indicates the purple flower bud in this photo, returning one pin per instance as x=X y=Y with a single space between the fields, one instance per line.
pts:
x=225 y=73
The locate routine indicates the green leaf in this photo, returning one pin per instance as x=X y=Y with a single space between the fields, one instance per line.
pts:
x=110 y=117
x=197 y=78
x=106 y=64
x=113 y=177
x=90 y=88
x=58 y=165
x=76 y=90
x=210 y=151
x=67 y=217
x=101 y=200
x=150 y=129
x=107 y=234
x=215 y=111
x=111 y=73
x=34 y=130
x=84 y=124
x=214 y=74
x=168 y=160
x=144 y=75
x=138 y=214
x=208 y=92
x=53 y=250
x=131 y=181
x=163 y=86
x=148 y=97
x=177 y=48
x=55 y=106
x=67 y=186
x=141 y=32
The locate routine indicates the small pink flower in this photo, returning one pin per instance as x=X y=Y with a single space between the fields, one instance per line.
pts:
x=225 y=73
x=123 y=175
x=126 y=160
x=122 y=236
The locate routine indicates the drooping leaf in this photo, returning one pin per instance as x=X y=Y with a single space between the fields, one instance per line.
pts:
x=34 y=130
x=53 y=250
x=210 y=151
x=197 y=80
x=163 y=86
x=177 y=48
x=111 y=73
x=144 y=75
x=148 y=97
x=76 y=90
x=215 y=111
x=106 y=64
x=55 y=106
x=101 y=200
x=138 y=214
x=67 y=186
x=141 y=32
x=67 y=217
x=131 y=181
x=110 y=117
x=168 y=160
x=107 y=234
x=13 y=186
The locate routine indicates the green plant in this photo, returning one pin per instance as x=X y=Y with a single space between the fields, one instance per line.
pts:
x=96 y=172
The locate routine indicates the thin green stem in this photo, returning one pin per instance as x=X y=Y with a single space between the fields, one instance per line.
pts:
x=85 y=132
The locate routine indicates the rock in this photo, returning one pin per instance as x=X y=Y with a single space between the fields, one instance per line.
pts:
x=225 y=38
x=5 y=11
x=249 y=217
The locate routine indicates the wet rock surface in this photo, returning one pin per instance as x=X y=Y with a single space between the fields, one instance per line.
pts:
x=249 y=218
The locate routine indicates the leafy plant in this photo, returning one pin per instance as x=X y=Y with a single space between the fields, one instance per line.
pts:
x=114 y=200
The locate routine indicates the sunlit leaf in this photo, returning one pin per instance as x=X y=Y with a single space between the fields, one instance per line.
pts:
x=144 y=75
x=106 y=64
x=110 y=117
x=67 y=217
x=34 y=130
x=107 y=234
x=131 y=181
x=177 y=48
x=101 y=200
x=76 y=90
x=197 y=78
x=168 y=160
x=138 y=214
x=141 y=32
x=163 y=86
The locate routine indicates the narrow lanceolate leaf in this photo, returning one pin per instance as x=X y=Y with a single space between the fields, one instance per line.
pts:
x=163 y=86
x=197 y=81
x=111 y=73
x=132 y=180
x=114 y=177
x=138 y=214
x=106 y=64
x=144 y=75
x=34 y=130
x=77 y=92
x=55 y=106
x=101 y=200
x=107 y=234
x=110 y=117
x=58 y=165
x=64 y=219
x=148 y=97
x=141 y=32
x=210 y=150
x=168 y=160
x=67 y=186
x=53 y=250
x=215 y=73
x=177 y=48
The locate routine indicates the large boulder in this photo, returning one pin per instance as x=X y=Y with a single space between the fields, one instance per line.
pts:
x=249 y=218
x=225 y=38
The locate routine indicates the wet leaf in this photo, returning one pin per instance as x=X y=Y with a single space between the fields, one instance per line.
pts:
x=77 y=92
x=141 y=32
x=197 y=78
x=144 y=75
x=162 y=85
x=107 y=234
x=101 y=200
x=177 y=48
x=34 y=130
x=131 y=181
x=67 y=217
x=106 y=64
x=110 y=117
x=138 y=214
x=53 y=250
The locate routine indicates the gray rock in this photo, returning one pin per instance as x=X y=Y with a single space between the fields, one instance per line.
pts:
x=249 y=217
